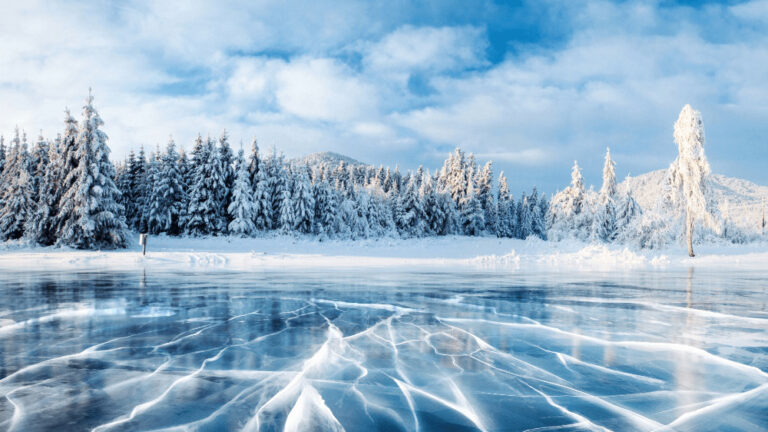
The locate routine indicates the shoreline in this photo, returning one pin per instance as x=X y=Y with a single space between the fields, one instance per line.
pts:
x=452 y=253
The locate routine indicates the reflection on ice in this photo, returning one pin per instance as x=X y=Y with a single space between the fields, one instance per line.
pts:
x=275 y=351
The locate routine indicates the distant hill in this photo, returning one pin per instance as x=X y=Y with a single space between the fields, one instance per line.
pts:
x=742 y=198
x=329 y=158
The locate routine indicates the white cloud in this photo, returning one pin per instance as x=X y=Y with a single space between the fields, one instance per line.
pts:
x=410 y=49
x=323 y=89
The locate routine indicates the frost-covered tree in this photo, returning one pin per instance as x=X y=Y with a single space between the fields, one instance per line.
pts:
x=168 y=195
x=227 y=178
x=688 y=176
x=185 y=171
x=201 y=213
x=604 y=220
x=254 y=163
x=40 y=227
x=262 y=201
x=505 y=211
x=484 y=182
x=38 y=165
x=569 y=212
x=92 y=215
x=303 y=203
x=241 y=208
x=68 y=162
x=472 y=220
x=286 y=213
x=326 y=210
x=17 y=196
x=409 y=209
x=2 y=158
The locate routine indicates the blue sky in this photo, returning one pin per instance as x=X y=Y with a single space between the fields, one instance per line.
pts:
x=532 y=85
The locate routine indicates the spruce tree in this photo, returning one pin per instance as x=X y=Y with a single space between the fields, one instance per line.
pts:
x=166 y=204
x=92 y=215
x=262 y=201
x=286 y=214
x=17 y=196
x=40 y=228
x=201 y=212
x=303 y=203
x=241 y=208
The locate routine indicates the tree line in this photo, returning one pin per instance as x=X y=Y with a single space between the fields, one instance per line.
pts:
x=67 y=192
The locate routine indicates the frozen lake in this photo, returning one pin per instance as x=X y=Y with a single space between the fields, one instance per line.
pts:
x=382 y=350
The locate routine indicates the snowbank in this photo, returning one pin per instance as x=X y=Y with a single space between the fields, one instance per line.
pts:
x=455 y=253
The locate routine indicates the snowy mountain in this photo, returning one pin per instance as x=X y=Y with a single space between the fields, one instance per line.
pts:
x=326 y=158
x=739 y=199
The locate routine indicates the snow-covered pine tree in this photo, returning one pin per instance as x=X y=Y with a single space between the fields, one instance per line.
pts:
x=505 y=210
x=604 y=221
x=38 y=165
x=569 y=213
x=40 y=227
x=167 y=197
x=92 y=215
x=2 y=158
x=286 y=214
x=224 y=191
x=326 y=210
x=153 y=215
x=432 y=214
x=303 y=202
x=254 y=163
x=484 y=182
x=185 y=171
x=68 y=162
x=472 y=219
x=17 y=196
x=409 y=209
x=688 y=175
x=262 y=201
x=201 y=214
x=241 y=208
x=140 y=191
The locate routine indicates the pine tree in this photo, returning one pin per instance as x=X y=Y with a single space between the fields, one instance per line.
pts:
x=168 y=195
x=40 y=227
x=2 y=160
x=484 y=182
x=473 y=222
x=17 y=197
x=201 y=214
x=38 y=165
x=254 y=163
x=262 y=201
x=604 y=222
x=186 y=172
x=287 y=216
x=689 y=174
x=241 y=208
x=326 y=210
x=569 y=213
x=92 y=215
x=68 y=163
x=505 y=210
x=153 y=214
x=227 y=179
x=303 y=203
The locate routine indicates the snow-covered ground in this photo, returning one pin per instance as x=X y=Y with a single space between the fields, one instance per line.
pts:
x=454 y=253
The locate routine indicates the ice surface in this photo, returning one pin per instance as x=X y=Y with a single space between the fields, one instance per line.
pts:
x=384 y=350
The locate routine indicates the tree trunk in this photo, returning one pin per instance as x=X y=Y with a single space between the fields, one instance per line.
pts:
x=689 y=231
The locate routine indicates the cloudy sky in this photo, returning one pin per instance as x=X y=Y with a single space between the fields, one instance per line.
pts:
x=531 y=85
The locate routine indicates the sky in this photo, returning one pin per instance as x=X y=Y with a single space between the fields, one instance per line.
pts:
x=531 y=85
